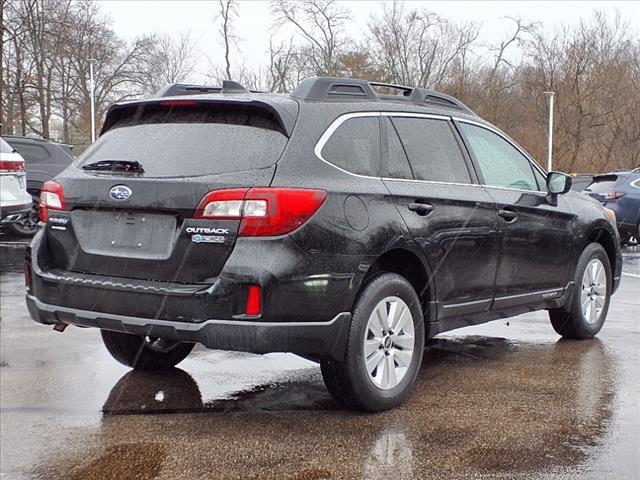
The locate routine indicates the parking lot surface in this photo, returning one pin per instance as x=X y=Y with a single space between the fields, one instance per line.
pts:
x=502 y=400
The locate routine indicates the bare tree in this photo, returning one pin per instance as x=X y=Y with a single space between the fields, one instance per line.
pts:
x=169 y=60
x=282 y=62
x=417 y=47
x=321 y=25
x=228 y=12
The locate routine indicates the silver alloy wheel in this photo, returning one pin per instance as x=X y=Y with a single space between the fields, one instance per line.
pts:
x=389 y=341
x=594 y=291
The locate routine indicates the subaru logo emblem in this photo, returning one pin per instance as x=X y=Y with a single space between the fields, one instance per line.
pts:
x=120 y=192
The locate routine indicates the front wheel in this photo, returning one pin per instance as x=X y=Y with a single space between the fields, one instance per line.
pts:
x=384 y=347
x=584 y=316
x=145 y=353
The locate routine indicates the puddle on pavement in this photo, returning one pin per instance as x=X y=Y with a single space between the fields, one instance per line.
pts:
x=480 y=404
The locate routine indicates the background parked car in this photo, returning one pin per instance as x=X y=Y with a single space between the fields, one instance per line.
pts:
x=44 y=160
x=620 y=191
x=15 y=202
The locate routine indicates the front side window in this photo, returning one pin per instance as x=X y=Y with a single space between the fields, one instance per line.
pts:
x=432 y=149
x=355 y=146
x=500 y=163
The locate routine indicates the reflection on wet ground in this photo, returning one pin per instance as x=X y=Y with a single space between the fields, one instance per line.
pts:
x=501 y=400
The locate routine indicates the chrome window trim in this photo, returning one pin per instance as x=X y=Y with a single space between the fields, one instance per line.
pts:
x=324 y=138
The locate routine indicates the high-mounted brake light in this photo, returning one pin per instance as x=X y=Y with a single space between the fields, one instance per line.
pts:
x=51 y=198
x=178 y=103
x=262 y=211
x=11 y=166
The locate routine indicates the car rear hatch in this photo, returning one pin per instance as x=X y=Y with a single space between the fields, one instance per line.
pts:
x=603 y=187
x=129 y=205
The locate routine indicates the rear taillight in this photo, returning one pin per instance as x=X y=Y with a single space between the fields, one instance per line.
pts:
x=51 y=198
x=612 y=195
x=262 y=211
x=11 y=166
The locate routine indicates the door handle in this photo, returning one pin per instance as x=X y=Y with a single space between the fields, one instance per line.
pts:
x=508 y=215
x=421 y=209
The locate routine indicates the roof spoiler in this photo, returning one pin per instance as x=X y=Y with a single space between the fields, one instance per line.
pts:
x=175 y=89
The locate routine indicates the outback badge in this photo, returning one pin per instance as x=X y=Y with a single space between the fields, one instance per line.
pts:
x=120 y=192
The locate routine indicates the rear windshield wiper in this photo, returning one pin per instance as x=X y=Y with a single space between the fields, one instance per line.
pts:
x=115 y=166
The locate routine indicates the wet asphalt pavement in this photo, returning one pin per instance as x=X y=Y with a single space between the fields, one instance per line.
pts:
x=501 y=400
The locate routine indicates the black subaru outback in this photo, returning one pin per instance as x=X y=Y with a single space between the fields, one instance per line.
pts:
x=337 y=223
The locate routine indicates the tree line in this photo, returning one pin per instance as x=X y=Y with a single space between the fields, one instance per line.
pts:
x=593 y=67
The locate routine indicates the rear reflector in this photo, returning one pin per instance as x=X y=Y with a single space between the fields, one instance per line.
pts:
x=254 y=301
x=262 y=211
x=51 y=198
x=27 y=275
x=11 y=166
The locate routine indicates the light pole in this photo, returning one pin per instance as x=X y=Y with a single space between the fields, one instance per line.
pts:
x=549 y=96
x=93 y=101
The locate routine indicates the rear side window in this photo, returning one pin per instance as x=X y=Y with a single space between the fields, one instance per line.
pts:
x=192 y=140
x=5 y=147
x=31 y=152
x=434 y=153
x=396 y=163
x=355 y=146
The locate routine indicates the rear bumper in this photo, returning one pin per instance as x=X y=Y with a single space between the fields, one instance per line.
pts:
x=316 y=339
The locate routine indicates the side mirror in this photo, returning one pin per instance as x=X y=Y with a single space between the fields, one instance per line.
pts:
x=558 y=182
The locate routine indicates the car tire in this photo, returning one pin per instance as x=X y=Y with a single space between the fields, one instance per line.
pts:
x=27 y=226
x=144 y=353
x=380 y=364
x=584 y=316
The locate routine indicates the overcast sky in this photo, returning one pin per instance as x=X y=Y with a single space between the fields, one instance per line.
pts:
x=132 y=18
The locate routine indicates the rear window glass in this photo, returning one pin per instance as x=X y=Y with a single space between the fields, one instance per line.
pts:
x=5 y=147
x=191 y=141
x=31 y=152
x=603 y=186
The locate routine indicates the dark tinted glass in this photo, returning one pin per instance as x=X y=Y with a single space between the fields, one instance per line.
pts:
x=355 y=146
x=395 y=164
x=432 y=149
x=500 y=163
x=190 y=143
x=31 y=152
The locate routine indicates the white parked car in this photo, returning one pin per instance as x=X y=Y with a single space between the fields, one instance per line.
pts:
x=14 y=199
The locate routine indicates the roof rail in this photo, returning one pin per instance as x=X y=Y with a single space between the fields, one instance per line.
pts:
x=319 y=88
x=173 y=89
